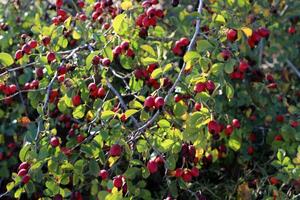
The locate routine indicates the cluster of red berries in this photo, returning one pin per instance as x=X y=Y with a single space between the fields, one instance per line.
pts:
x=8 y=89
x=23 y=172
x=240 y=70
x=61 y=15
x=96 y=92
x=101 y=7
x=214 y=127
x=149 y=17
x=144 y=74
x=32 y=85
x=123 y=48
x=154 y=102
x=180 y=46
x=26 y=49
x=257 y=35
x=154 y=164
x=187 y=174
x=208 y=86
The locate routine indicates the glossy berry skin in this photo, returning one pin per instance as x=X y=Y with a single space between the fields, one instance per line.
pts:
x=115 y=150
x=213 y=127
x=18 y=55
x=50 y=57
x=149 y=102
x=33 y=44
x=187 y=176
x=22 y=172
x=26 y=49
x=96 y=60
x=24 y=165
x=59 y=3
x=103 y=174
x=101 y=92
x=178 y=172
x=210 y=86
x=92 y=87
x=46 y=40
x=124 y=45
x=198 y=106
x=152 y=166
x=105 y=62
x=80 y=138
x=76 y=100
x=236 y=123
x=243 y=66
x=118 y=182
x=232 y=35
x=54 y=142
x=228 y=130
x=159 y=102
x=199 y=87
x=25 y=179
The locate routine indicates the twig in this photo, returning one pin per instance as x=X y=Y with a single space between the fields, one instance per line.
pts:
x=293 y=67
x=170 y=92
x=110 y=86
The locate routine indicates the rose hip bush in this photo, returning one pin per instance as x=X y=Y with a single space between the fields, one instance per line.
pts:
x=149 y=99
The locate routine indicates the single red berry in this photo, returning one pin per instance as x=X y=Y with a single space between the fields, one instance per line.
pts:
x=278 y=138
x=149 y=102
x=46 y=40
x=24 y=165
x=184 y=41
x=232 y=35
x=199 y=87
x=50 y=57
x=210 y=86
x=250 y=150
x=280 y=118
x=118 y=182
x=123 y=117
x=177 y=98
x=130 y=53
x=54 y=141
x=26 y=49
x=236 y=123
x=105 y=62
x=152 y=166
x=76 y=100
x=159 y=102
x=92 y=87
x=243 y=66
x=33 y=44
x=213 y=127
x=80 y=4
x=263 y=32
x=101 y=92
x=187 y=176
x=59 y=3
x=124 y=45
x=103 y=174
x=195 y=172
x=198 y=106
x=22 y=172
x=274 y=181
x=178 y=172
x=80 y=138
x=115 y=150
x=226 y=54
x=25 y=179
x=18 y=55
x=292 y=30
x=12 y=88
x=39 y=72
x=96 y=60
x=228 y=130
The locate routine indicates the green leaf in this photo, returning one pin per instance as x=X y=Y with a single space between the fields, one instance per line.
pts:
x=141 y=146
x=105 y=115
x=157 y=73
x=78 y=112
x=229 y=91
x=148 y=60
x=6 y=59
x=229 y=66
x=219 y=18
x=204 y=45
x=179 y=109
x=130 y=112
x=190 y=56
x=280 y=154
x=167 y=144
x=234 y=144
x=164 y=123
x=148 y=49
x=24 y=151
x=119 y=24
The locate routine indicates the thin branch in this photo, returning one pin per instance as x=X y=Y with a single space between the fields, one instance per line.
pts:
x=170 y=92
x=110 y=86
x=294 y=68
